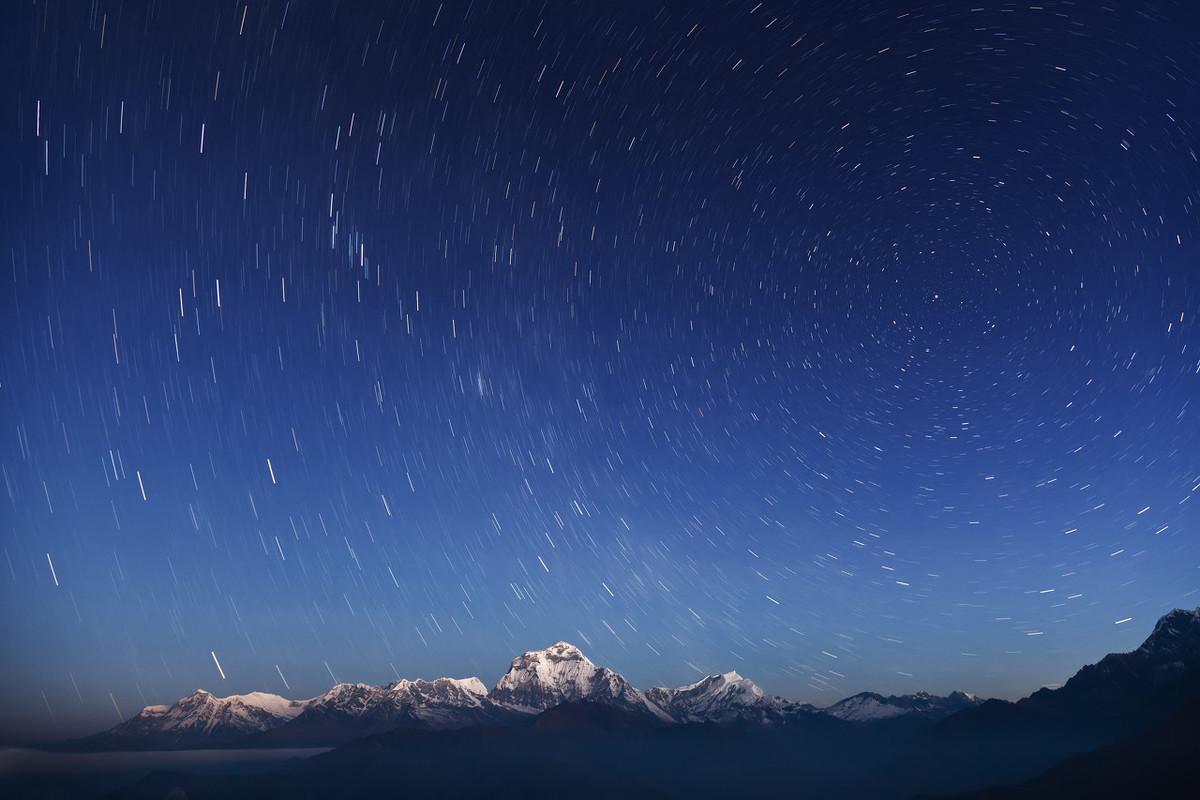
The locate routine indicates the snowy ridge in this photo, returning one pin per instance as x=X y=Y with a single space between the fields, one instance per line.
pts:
x=872 y=707
x=721 y=699
x=271 y=703
x=203 y=717
x=540 y=680
x=536 y=681
x=202 y=710
x=358 y=709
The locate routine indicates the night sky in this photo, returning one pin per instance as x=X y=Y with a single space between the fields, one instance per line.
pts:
x=847 y=345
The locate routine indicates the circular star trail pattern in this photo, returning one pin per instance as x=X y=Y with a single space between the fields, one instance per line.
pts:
x=851 y=346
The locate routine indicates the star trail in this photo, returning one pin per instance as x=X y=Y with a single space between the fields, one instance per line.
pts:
x=847 y=345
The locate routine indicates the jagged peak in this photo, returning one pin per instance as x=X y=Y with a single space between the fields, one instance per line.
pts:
x=1177 y=627
x=730 y=686
x=869 y=706
x=343 y=689
x=921 y=694
x=553 y=659
x=902 y=698
x=1175 y=620
x=472 y=684
x=202 y=704
x=248 y=698
x=860 y=696
x=541 y=679
x=255 y=697
x=718 y=681
x=198 y=696
x=1181 y=613
x=559 y=650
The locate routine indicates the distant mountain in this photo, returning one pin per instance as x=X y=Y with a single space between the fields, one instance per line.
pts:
x=199 y=720
x=1098 y=705
x=724 y=699
x=352 y=710
x=872 y=707
x=541 y=679
x=536 y=681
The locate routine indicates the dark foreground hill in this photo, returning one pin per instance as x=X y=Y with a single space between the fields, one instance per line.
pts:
x=1161 y=761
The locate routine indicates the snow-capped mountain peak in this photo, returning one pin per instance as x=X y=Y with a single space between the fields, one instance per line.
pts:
x=203 y=709
x=723 y=682
x=470 y=686
x=202 y=717
x=564 y=650
x=442 y=692
x=720 y=698
x=271 y=703
x=872 y=707
x=541 y=679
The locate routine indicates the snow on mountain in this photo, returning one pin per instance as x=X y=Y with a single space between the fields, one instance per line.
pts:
x=204 y=711
x=434 y=701
x=721 y=699
x=271 y=703
x=202 y=717
x=350 y=698
x=351 y=710
x=440 y=703
x=536 y=681
x=541 y=679
x=345 y=711
x=872 y=707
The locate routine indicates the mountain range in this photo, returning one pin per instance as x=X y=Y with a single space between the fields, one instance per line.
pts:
x=536 y=681
x=1124 y=726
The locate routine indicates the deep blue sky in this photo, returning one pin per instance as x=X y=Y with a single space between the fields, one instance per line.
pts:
x=848 y=345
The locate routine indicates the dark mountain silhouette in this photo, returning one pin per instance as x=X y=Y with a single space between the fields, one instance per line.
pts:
x=1160 y=761
x=581 y=716
x=1115 y=698
x=590 y=750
